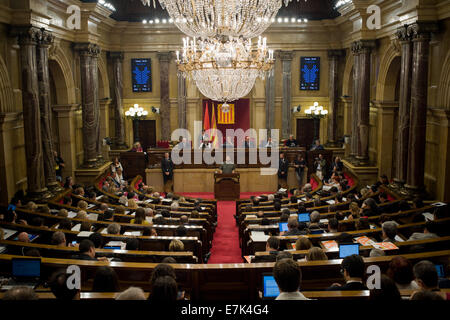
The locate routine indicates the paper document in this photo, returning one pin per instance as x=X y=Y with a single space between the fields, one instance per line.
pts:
x=132 y=233
x=364 y=241
x=91 y=205
x=76 y=227
x=330 y=201
x=330 y=244
x=428 y=216
x=326 y=188
x=85 y=234
x=92 y=216
x=385 y=246
x=71 y=214
x=259 y=236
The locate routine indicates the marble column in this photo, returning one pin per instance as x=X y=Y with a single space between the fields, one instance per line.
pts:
x=270 y=101
x=90 y=117
x=48 y=145
x=365 y=49
x=333 y=59
x=164 y=60
x=286 y=61
x=29 y=37
x=93 y=69
x=421 y=35
x=119 y=121
x=355 y=98
x=182 y=122
x=401 y=159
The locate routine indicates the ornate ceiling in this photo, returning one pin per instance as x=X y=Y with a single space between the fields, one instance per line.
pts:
x=135 y=11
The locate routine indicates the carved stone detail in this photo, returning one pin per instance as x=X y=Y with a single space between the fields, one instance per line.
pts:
x=119 y=121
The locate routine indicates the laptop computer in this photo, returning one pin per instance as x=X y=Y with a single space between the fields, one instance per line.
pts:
x=25 y=273
x=304 y=217
x=348 y=249
x=270 y=287
x=283 y=226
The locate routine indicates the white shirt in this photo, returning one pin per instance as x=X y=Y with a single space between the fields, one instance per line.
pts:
x=291 y=296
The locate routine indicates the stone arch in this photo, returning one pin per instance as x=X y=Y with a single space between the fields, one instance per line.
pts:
x=347 y=89
x=6 y=91
x=444 y=85
x=103 y=81
x=388 y=75
x=62 y=75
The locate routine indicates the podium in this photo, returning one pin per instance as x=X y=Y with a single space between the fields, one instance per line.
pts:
x=133 y=163
x=227 y=186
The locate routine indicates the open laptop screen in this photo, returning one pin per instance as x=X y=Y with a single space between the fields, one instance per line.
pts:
x=26 y=268
x=283 y=226
x=303 y=217
x=348 y=249
x=270 y=287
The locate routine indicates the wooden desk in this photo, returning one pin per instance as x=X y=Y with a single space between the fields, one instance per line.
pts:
x=227 y=186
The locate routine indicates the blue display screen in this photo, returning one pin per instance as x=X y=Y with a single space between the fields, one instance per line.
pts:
x=440 y=270
x=309 y=73
x=141 y=75
x=283 y=226
x=270 y=287
x=29 y=268
x=303 y=217
x=346 y=250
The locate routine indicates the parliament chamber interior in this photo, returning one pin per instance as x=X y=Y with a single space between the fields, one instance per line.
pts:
x=204 y=151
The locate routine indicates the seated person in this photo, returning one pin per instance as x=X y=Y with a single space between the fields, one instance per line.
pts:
x=400 y=270
x=317 y=145
x=227 y=167
x=176 y=245
x=428 y=232
x=333 y=225
x=389 y=231
x=426 y=276
x=59 y=239
x=314 y=223
x=316 y=254
x=288 y=277
x=353 y=270
x=291 y=142
x=292 y=228
x=113 y=228
x=303 y=243
x=60 y=289
x=87 y=251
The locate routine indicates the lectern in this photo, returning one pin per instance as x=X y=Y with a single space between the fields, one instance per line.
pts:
x=227 y=186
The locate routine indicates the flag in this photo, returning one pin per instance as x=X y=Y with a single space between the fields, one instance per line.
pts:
x=206 y=118
x=215 y=140
x=225 y=117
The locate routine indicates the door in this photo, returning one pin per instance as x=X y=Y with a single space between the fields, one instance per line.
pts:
x=147 y=133
x=305 y=132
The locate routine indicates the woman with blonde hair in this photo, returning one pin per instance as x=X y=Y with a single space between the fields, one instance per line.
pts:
x=303 y=243
x=176 y=245
x=81 y=215
x=31 y=206
x=132 y=204
x=316 y=254
x=82 y=204
x=354 y=211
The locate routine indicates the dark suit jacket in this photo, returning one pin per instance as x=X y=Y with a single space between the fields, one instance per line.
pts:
x=82 y=256
x=167 y=166
x=283 y=167
x=291 y=143
x=352 y=286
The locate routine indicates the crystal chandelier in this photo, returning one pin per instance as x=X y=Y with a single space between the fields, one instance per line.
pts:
x=224 y=69
x=206 y=18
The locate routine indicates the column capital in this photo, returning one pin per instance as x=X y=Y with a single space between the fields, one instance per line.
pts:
x=335 y=53
x=285 y=55
x=119 y=55
x=87 y=49
x=402 y=34
x=27 y=35
x=46 y=39
x=165 y=56
x=422 y=30
x=361 y=46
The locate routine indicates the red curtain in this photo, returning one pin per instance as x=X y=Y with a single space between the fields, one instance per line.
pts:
x=241 y=117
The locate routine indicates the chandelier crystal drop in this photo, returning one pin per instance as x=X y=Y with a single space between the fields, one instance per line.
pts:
x=207 y=18
x=224 y=69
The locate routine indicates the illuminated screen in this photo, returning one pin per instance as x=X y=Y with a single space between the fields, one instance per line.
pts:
x=141 y=75
x=303 y=217
x=270 y=287
x=283 y=226
x=309 y=73
x=346 y=250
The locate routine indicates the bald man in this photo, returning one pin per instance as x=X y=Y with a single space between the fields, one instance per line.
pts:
x=23 y=237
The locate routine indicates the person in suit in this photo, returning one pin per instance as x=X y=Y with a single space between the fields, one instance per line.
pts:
x=300 y=165
x=283 y=168
x=248 y=143
x=320 y=166
x=137 y=147
x=203 y=137
x=317 y=146
x=228 y=167
x=291 y=142
x=288 y=277
x=87 y=252
x=353 y=269
x=167 y=170
x=338 y=165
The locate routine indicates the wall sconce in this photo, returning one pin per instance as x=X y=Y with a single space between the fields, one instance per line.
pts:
x=296 y=109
